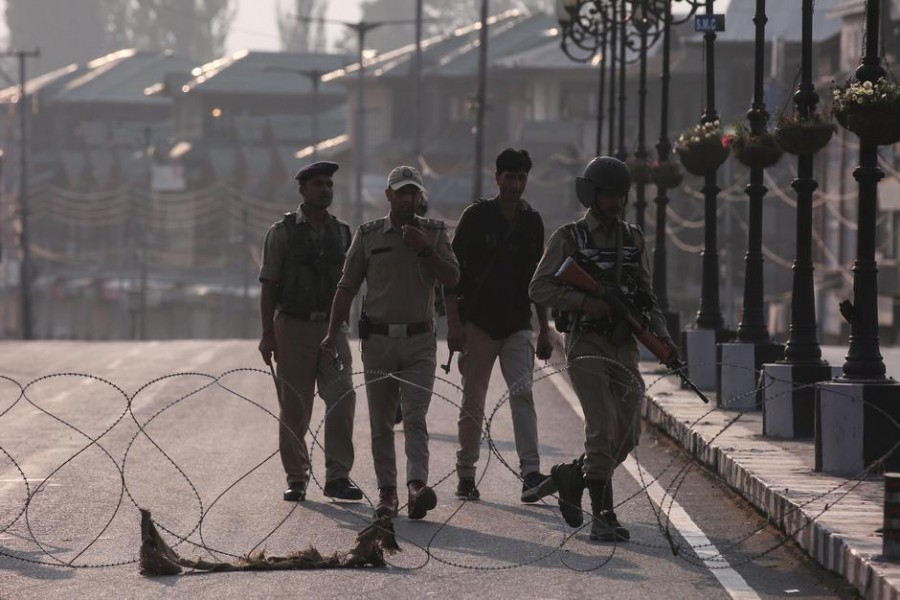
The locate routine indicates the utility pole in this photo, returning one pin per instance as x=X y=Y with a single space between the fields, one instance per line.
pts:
x=359 y=130
x=314 y=76
x=480 y=100
x=359 y=137
x=417 y=87
x=25 y=268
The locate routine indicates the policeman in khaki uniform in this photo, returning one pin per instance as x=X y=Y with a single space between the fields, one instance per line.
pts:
x=400 y=257
x=302 y=259
x=601 y=351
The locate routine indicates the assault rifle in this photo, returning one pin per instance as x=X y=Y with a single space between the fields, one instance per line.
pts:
x=569 y=272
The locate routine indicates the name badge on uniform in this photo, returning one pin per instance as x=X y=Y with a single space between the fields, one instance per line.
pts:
x=380 y=250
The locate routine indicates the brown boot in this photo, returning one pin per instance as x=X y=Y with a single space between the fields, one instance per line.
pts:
x=387 y=502
x=421 y=499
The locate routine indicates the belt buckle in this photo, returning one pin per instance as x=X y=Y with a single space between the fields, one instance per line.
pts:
x=317 y=316
x=397 y=331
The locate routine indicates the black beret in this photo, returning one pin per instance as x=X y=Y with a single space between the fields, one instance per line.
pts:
x=317 y=168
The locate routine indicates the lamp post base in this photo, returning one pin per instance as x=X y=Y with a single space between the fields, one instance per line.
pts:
x=789 y=398
x=699 y=354
x=738 y=374
x=856 y=425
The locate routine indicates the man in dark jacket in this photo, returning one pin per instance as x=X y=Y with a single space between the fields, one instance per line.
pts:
x=498 y=243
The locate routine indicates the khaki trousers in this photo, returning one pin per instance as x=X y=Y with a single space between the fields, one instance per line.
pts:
x=412 y=360
x=516 y=354
x=301 y=366
x=609 y=387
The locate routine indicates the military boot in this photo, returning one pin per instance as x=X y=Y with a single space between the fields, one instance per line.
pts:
x=604 y=526
x=622 y=534
x=569 y=482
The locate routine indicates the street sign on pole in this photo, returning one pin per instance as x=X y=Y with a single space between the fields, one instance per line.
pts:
x=706 y=23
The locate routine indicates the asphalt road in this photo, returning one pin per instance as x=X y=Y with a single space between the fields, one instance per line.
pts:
x=204 y=462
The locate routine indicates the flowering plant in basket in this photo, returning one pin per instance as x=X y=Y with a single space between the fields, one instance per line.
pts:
x=702 y=148
x=639 y=169
x=754 y=150
x=666 y=174
x=803 y=135
x=869 y=109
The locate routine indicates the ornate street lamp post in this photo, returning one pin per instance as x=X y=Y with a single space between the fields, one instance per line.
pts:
x=857 y=413
x=742 y=359
x=710 y=315
x=585 y=29
x=789 y=397
x=700 y=342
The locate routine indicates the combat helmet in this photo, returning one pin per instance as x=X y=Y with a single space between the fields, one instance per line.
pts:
x=602 y=173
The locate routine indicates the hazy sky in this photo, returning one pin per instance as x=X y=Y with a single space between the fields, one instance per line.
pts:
x=254 y=25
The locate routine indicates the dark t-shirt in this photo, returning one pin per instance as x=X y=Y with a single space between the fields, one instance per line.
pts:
x=497 y=259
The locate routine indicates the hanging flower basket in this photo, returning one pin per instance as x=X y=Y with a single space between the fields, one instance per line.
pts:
x=870 y=110
x=666 y=174
x=701 y=148
x=760 y=151
x=803 y=136
x=639 y=169
x=874 y=125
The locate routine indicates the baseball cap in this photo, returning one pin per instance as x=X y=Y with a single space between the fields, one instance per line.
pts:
x=404 y=175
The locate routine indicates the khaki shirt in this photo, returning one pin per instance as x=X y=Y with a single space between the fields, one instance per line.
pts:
x=276 y=244
x=548 y=290
x=400 y=287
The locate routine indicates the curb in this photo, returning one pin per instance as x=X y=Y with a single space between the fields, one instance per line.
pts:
x=833 y=520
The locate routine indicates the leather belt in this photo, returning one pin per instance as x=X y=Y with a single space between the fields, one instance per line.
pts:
x=401 y=330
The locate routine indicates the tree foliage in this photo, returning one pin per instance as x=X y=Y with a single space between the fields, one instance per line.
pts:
x=193 y=28
x=64 y=32
x=302 y=28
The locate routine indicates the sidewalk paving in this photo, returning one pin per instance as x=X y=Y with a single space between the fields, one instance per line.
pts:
x=835 y=520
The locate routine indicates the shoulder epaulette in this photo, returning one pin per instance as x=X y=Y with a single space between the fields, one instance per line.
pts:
x=636 y=229
x=286 y=218
x=432 y=223
x=372 y=225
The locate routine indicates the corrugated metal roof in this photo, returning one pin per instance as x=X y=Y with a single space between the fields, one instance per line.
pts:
x=435 y=50
x=516 y=40
x=506 y=39
x=44 y=84
x=784 y=21
x=275 y=73
x=122 y=77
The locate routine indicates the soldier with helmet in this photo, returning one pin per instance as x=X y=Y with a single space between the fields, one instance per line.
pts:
x=400 y=257
x=302 y=259
x=601 y=351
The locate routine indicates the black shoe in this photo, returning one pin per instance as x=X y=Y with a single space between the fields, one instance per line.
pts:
x=466 y=489
x=569 y=483
x=296 y=492
x=342 y=489
x=605 y=527
x=387 y=503
x=532 y=485
x=421 y=499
